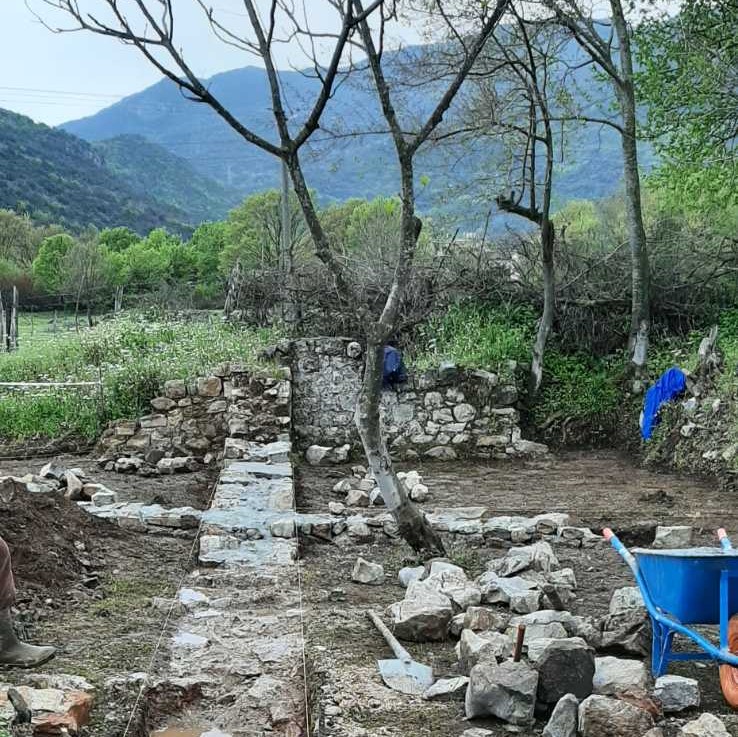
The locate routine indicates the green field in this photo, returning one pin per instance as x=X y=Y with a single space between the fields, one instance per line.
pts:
x=131 y=357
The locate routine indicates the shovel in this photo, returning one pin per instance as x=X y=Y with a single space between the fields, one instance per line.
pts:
x=402 y=674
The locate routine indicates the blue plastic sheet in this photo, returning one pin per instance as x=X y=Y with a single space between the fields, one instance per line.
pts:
x=669 y=385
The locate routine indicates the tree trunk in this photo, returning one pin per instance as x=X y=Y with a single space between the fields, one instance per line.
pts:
x=640 y=315
x=640 y=318
x=413 y=526
x=549 y=297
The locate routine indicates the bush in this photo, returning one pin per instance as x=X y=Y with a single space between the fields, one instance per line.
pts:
x=476 y=336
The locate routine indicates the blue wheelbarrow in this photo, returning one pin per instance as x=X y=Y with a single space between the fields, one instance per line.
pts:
x=689 y=587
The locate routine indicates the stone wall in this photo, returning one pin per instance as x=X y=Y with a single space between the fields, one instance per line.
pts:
x=443 y=413
x=194 y=423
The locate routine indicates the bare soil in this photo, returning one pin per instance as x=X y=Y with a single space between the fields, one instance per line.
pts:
x=86 y=586
x=597 y=489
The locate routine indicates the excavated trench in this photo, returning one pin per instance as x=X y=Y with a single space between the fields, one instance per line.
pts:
x=109 y=631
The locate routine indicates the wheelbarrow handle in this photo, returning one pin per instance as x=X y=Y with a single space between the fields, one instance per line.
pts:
x=724 y=539
x=625 y=554
x=397 y=649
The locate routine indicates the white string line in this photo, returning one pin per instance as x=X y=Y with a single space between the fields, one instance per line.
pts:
x=302 y=612
x=168 y=616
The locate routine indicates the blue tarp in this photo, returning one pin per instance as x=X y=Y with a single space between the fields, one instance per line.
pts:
x=669 y=385
x=394 y=370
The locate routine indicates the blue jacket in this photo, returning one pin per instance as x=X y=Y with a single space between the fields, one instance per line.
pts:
x=668 y=385
x=394 y=370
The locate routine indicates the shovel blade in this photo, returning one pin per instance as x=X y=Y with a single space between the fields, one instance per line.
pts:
x=409 y=678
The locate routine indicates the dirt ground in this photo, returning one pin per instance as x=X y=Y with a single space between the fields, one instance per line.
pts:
x=85 y=585
x=595 y=488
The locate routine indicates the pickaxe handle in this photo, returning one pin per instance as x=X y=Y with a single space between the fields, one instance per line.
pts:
x=397 y=649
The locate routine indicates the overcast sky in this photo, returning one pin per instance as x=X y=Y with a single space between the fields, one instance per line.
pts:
x=53 y=78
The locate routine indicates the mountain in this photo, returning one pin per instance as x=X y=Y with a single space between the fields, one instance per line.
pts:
x=452 y=180
x=59 y=178
x=153 y=172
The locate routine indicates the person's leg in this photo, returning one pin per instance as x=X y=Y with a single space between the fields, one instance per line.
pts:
x=12 y=651
x=7 y=584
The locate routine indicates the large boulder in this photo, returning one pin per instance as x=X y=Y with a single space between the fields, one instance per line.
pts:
x=506 y=691
x=483 y=619
x=677 y=693
x=565 y=667
x=564 y=718
x=496 y=589
x=616 y=675
x=451 y=581
x=423 y=615
x=604 y=716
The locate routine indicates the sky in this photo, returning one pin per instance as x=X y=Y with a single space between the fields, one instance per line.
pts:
x=54 y=77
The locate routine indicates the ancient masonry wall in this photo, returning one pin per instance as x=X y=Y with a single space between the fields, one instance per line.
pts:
x=201 y=422
x=443 y=413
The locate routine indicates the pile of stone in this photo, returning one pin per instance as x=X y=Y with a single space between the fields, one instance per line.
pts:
x=561 y=672
x=361 y=490
x=54 y=478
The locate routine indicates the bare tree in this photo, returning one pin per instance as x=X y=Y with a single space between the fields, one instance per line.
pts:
x=606 y=43
x=149 y=26
x=521 y=63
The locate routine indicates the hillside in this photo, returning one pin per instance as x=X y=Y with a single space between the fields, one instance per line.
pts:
x=58 y=178
x=153 y=172
x=336 y=168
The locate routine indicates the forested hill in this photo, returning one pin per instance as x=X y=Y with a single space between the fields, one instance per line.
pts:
x=337 y=169
x=59 y=178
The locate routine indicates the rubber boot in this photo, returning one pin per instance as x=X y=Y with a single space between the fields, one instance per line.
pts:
x=15 y=653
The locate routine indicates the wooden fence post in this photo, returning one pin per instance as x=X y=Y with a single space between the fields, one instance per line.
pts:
x=14 y=321
x=3 y=327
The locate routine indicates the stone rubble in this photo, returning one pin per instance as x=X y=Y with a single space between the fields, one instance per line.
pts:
x=605 y=715
x=564 y=719
x=706 y=725
x=677 y=693
x=367 y=573
x=616 y=675
x=506 y=690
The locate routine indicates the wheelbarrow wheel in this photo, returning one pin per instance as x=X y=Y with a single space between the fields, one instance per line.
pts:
x=729 y=674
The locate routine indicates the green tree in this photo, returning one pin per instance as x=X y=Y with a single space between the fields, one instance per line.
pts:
x=118 y=239
x=47 y=267
x=689 y=79
x=255 y=230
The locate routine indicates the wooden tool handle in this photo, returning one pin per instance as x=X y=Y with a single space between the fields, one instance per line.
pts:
x=397 y=649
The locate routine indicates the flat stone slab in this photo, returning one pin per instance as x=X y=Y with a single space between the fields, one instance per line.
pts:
x=258 y=470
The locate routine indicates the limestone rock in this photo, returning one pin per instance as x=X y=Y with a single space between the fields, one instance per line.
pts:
x=564 y=718
x=604 y=715
x=538 y=557
x=475 y=647
x=419 y=493
x=498 y=590
x=357 y=498
x=481 y=619
x=175 y=389
x=565 y=667
x=677 y=693
x=707 y=725
x=368 y=573
x=628 y=631
x=210 y=386
x=336 y=508
x=506 y=691
x=52 y=470
x=615 y=675
x=315 y=454
x=627 y=597
x=423 y=615
x=407 y=575
x=676 y=536
x=447 y=689
x=442 y=453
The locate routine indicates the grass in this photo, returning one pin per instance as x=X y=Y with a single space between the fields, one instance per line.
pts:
x=131 y=355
